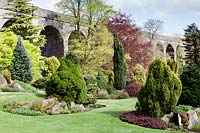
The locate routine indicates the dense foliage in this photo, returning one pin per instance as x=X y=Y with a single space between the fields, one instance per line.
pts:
x=102 y=83
x=91 y=12
x=132 y=89
x=173 y=65
x=129 y=35
x=182 y=108
x=138 y=74
x=41 y=83
x=142 y=120
x=88 y=49
x=21 y=65
x=67 y=83
x=119 y=65
x=8 y=42
x=192 y=44
x=20 y=21
x=190 y=78
x=52 y=64
x=161 y=91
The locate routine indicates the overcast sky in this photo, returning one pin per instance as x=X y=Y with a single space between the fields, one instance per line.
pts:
x=176 y=14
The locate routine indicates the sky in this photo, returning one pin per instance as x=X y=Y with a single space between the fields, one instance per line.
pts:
x=176 y=14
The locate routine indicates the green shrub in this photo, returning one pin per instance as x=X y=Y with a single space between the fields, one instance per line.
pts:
x=173 y=65
x=90 y=99
x=182 y=108
x=138 y=75
x=20 y=67
x=52 y=64
x=27 y=87
x=8 y=41
x=27 y=112
x=41 y=83
x=190 y=78
x=91 y=84
x=103 y=83
x=67 y=83
x=161 y=92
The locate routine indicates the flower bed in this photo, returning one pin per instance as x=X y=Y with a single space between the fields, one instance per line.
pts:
x=142 y=120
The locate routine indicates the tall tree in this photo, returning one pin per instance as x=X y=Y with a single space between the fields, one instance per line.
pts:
x=129 y=35
x=98 y=45
x=90 y=12
x=21 y=65
x=161 y=92
x=153 y=27
x=192 y=44
x=119 y=65
x=20 y=21
x=74 y=8
x=97 y=13
x=98 y=42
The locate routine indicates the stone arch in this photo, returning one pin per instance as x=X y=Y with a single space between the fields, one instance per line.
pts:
x=170 y=52
x=54 y=45
x=7 y=23
x=75 y=35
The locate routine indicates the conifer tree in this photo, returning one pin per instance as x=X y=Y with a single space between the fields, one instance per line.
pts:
x=20 y=21
x=161 y=92
x=192 y=44
x=21 y=65
x=119 y=65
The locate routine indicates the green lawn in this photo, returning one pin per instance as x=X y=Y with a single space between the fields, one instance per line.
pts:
x=104 y=120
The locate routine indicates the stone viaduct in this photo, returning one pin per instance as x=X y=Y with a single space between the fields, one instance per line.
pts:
x=57 y=29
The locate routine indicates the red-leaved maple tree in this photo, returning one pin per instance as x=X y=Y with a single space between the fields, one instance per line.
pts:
x=129 y=34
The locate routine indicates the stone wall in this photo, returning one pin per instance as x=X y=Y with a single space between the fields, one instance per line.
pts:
x=60 y=24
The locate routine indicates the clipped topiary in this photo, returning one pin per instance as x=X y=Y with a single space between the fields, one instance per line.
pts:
x=138 y=74
x=161 y=91
x=173 y=65
x=190 y=78
x=67 y=83
x=20 y=68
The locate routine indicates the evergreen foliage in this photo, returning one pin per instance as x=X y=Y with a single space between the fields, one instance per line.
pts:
x=119 y=65
x=192 y=44
x=67 y=83
x=161 y=91
x=190 y=78
x=8 y=42
x=20 y=21
x=138 y=74
x=21 y=65
x=52 y=64
x=173 y=65
x=103 y=82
